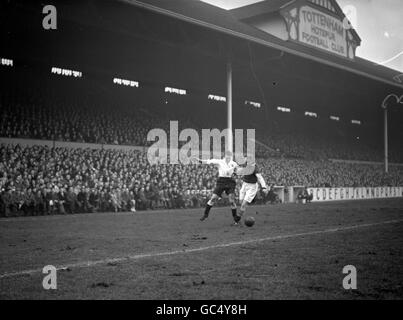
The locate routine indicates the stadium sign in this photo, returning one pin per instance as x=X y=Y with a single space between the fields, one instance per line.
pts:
x=66 y=72
x=332 y=194
x=6 y=62
x=323 y=27
x=322 y=31
x=319 y=24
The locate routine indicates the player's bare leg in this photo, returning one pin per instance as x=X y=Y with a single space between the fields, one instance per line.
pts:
x=243 y=207
x=209 y=205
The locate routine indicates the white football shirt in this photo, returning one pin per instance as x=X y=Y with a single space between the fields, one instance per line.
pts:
x=225 y=169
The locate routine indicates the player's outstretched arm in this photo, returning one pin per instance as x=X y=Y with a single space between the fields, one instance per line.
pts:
x=200 y=160
x=209 y=161
x=262 y=183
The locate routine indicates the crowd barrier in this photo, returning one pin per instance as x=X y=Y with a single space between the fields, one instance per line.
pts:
x=366 y=162
x=68 y=144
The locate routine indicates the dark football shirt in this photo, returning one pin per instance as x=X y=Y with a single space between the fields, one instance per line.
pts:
x=251 y=178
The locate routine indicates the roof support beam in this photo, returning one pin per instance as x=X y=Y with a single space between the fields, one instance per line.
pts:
x=229 y=106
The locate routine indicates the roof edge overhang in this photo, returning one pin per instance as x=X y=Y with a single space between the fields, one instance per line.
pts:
x=244 y=36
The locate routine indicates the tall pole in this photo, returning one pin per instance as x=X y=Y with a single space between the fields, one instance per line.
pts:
x=385 y=123
x=229 y=105
x=385 y=134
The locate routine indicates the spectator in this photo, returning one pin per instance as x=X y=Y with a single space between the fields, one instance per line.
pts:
x=305 y=196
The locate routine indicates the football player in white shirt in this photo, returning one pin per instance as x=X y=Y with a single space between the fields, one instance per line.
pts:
x=225 y=183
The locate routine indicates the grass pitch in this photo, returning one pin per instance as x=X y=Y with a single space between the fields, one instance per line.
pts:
x=292 y=252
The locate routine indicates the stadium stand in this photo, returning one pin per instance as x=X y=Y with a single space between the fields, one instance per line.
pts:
x=44 y=180
x=120 y=125
x=41 y=180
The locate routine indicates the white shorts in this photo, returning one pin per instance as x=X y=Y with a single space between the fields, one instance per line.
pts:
x=248 y=192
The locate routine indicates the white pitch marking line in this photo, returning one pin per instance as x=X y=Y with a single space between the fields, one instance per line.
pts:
x=215 y=246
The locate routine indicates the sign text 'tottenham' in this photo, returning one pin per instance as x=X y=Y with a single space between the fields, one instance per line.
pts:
x=322 y=31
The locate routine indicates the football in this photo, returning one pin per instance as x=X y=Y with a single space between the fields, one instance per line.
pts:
x=249 y=221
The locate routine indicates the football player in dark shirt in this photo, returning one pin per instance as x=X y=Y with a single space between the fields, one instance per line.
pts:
x=250 y=186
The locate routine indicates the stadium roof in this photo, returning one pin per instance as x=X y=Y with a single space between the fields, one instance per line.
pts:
x=212 y=17
x=258 y=8
x=185 y=44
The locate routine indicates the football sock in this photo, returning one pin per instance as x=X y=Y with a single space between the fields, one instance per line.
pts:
x=235 y=216
x=207 y=209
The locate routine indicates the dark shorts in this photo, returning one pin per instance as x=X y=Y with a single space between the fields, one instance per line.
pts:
x=226 y=185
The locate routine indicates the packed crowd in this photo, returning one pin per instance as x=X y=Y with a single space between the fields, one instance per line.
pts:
x=123 y=125
x=41 y=180
x=292 y=172
x=75 y=124
x=306 y=146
